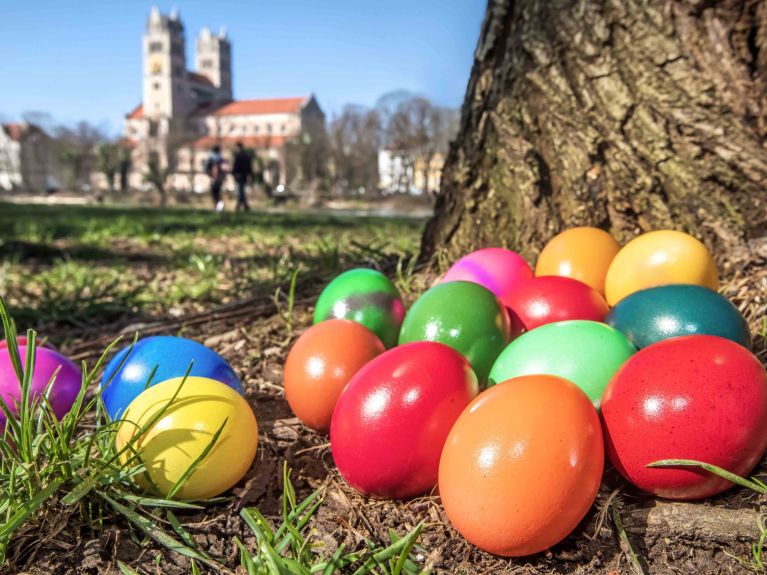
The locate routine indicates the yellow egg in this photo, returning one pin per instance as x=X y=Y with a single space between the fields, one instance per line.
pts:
x=659 y=258
x=183 y=432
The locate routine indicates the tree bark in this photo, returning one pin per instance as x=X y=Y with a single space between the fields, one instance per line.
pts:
x=625 y=114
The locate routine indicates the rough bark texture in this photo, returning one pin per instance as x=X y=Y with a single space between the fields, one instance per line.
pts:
x=626 y=114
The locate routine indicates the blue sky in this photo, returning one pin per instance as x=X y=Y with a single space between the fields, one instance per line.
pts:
x=82 y=60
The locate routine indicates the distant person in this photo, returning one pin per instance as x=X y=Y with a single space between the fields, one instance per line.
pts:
x=242 y=170
x=214 y=167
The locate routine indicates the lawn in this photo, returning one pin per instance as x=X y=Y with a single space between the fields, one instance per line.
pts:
x=64 y=266
x=83 y=276
x=245 y=286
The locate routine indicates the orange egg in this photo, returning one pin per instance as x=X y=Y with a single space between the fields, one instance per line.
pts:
x=582 y=253
x=660 y=258
x=321 y=363
x=522 y=465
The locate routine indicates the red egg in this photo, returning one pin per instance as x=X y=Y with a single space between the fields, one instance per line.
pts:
x=321 y=363
x=391 y=421
x=547 y=299
x=698 y=397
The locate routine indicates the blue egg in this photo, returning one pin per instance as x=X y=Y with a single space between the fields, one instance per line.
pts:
x=130 y=370
x=651 y=315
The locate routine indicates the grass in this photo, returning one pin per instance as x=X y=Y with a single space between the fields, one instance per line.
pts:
x=85 y=266
x=51 y=467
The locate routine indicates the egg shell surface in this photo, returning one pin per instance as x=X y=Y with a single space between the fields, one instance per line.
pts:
x=699 y=397
x=63 y=391
x=522 y=465
x=654 y=314
x=549 y=299
x=463 y=315
x=659 y=258
x=183 y=432
x=127 y=374
x=391 y=421
x=496 y=269
x=587 y=353
x=582 y=253
x=320 y=365
x=367 y=297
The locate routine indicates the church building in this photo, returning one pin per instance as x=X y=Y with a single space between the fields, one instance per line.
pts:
x=184 y=113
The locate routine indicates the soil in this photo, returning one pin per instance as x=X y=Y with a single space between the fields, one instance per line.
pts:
x=710 y=537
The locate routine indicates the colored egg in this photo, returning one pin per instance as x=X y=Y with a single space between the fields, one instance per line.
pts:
x=496 y=269
x=522 y=465
x=585 y=352
x=698 y=397
x=367 y=297
x=184 y=431
x=321 y=363
x=391 y=422
x=654 y=314
x=22 y=340
x=659 y=258
x=159 y=358
x=463 y=315
x=548 y=299
x=582 y=253
x=64 y=389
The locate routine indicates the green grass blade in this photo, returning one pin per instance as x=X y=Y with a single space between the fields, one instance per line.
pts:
x=155 y=532
x=191 y=469
x=28 y=508
x=125 y=570
x=757 y=486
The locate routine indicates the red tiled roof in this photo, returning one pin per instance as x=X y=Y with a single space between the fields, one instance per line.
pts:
x=199 y=78
x=137 y=113
x=263 y=142
x=14 y=131
x=257 y=107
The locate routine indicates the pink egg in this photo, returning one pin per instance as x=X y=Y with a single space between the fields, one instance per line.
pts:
x=47 y=361
x=496 y=269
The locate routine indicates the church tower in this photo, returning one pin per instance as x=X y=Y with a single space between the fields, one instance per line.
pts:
x=214 y=60
x=164 y=66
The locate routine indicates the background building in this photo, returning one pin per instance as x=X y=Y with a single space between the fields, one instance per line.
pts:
x=184 y=113
x=27 y=158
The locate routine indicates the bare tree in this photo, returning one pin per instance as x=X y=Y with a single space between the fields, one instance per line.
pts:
x=108 y=158
x=76 y=151
x=416 y=132
x=355 y=138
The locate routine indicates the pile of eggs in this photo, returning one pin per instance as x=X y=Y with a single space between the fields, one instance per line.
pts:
x=174 y=399
x=505 y=388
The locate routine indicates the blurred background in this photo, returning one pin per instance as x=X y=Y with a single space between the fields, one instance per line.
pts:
x=336 y=104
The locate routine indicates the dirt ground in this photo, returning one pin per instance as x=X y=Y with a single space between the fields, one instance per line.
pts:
x=711 y=537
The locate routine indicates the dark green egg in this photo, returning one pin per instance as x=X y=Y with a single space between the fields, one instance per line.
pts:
x=651 y=315
x=463 y=315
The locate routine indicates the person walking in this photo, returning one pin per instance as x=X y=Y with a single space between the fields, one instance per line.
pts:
x=214 y=167
x=242 y=170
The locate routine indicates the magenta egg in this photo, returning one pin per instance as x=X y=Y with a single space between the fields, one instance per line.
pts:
x=548 y=299
x=496 y=269
x=63 y=391
x=699 y=397
x=392 y=420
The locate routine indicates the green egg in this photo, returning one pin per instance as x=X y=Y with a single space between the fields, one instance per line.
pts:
x=367 y=297
x=465 y=316
x=587 y=353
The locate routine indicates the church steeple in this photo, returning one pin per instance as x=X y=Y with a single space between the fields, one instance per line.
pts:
x=214 y=60
x=164 y=66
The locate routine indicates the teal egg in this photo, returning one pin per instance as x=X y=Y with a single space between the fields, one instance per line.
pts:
x=651 y=315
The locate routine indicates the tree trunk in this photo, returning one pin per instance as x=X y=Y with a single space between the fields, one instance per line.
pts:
x=625 y=114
